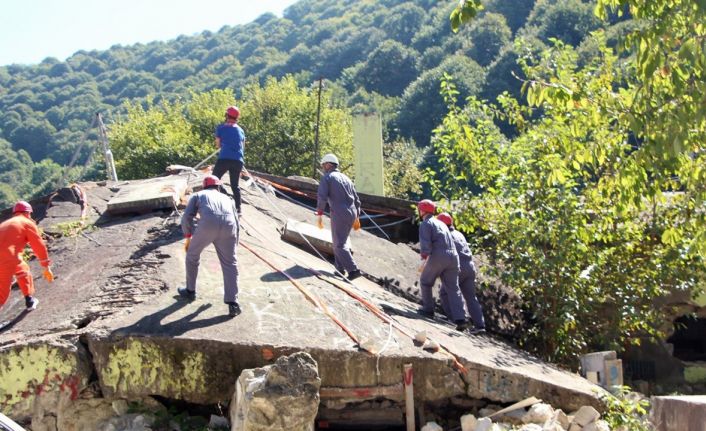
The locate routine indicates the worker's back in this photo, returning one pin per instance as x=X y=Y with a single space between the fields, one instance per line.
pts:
x=14 y=237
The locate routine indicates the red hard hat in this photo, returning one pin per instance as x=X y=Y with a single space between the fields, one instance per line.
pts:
x=427 y=206
x=22 y=207
x=211 y=180
x=233 y=112
x=445 y=218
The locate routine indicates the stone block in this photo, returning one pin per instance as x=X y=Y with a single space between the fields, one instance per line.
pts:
x=484 y=424
x=302 y=233
x=531 y=427
x=585 y=415
x=561 y=418
x=148 y=195
x=538 y=414
x=432 y=426
x=282 y=396
x=599 y=425
x=468 y=423
x=678 y=413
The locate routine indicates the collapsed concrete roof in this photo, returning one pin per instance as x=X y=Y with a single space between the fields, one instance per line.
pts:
x=111 y=323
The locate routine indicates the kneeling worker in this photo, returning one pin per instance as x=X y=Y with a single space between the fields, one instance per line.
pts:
x=218 y=225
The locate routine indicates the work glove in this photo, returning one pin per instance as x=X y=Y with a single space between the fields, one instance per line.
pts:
x=422 y=265
x=187 y=243
x=320 y=221
x=356 y=224
x=48 y=275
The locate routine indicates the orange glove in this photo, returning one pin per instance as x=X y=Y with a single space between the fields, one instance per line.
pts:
x=187 y=243
x=48 y=274
x=356 y=224
x=320 y=222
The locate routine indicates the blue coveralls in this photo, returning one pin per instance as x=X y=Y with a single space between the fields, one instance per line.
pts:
x=217 y=225
x=438 y=247
x=466 y=280
x=336 y=189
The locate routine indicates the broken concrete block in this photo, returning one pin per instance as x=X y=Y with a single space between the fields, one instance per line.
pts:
x=468 y=423
x=120 y=407
x=585 y=415
x=599 y=425
x=531 y=427
x=538 y=414
x=282 y=396
x=675 y=413
x=484 y=424
x=561 y=418
x=432 y=426
x=304 y=234
x=148 y=195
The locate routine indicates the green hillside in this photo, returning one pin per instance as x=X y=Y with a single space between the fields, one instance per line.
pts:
x=386 y=55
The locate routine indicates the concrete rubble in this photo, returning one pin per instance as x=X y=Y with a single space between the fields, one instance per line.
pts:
x=282 y=396
x=110 y=328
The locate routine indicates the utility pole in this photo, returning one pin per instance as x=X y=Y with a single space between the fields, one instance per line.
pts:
x=109 y=162
x=316 y=137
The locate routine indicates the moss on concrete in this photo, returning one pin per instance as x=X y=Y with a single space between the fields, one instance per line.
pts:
x=30 y=371
x=139 y=365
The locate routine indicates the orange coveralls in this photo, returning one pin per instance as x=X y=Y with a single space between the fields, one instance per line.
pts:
x=15 y=234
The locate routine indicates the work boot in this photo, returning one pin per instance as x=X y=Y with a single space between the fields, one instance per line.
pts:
x=186 y=293
x=233 y=309
x=354 y=274
x=425 y=313
x=31 y=302
x=476 y=331
x=462 y=324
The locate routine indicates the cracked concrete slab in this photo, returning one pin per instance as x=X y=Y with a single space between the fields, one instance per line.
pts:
x=116 y=290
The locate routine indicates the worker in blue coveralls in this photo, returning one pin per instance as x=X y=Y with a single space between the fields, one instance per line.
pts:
x=230 y=138
x=439 y=259
x=336 y=189
x=466 y=277
x=217 y=225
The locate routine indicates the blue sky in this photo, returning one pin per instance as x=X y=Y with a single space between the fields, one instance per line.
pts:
x=31 y=30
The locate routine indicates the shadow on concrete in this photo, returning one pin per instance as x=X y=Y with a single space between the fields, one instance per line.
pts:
x=296 y=272
x=8 y=324
x=152 y=324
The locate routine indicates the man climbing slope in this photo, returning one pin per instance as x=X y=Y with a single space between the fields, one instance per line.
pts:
x=466 y=277
x=439 y=259
x=218 y=225
x=230 y=139
x=15 y=234
x=336 y=189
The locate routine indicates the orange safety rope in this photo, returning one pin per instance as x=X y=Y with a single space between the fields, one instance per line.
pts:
x=314 y=300
x=383 y=316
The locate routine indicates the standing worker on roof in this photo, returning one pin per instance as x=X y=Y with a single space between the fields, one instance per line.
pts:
x=230 y=139
x=218 y=225
x=466 y=277
x=439 y=260
x=15 y=234
x=336 y=189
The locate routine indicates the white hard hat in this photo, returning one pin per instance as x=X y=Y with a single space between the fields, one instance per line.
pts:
x=329 y=158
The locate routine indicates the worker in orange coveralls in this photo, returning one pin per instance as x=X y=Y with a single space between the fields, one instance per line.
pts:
x=15 y=234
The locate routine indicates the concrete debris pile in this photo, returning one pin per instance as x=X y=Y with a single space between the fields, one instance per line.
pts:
x=539 y=417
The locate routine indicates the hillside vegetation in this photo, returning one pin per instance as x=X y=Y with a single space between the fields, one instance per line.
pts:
x=567 y=136
x=386 y=55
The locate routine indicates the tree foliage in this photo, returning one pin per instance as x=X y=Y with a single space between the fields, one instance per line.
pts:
x=591 y=211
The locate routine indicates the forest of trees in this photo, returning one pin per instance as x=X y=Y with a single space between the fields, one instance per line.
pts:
x=386 y=56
